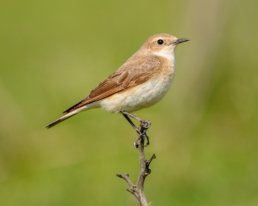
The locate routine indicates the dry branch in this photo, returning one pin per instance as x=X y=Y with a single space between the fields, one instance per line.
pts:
x=138 y=189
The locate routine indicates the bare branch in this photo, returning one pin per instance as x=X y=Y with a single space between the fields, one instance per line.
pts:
x=130 y=184
x=126 y=178
x=138 y=190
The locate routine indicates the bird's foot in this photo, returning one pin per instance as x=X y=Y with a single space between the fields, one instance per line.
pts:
x=136 y=144
x=141 y=131
x=145 y=124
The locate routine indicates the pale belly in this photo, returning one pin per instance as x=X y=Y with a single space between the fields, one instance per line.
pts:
x=139 y=97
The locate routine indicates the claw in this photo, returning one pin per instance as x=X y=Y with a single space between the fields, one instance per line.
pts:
x=136 y=145
x=148 y=140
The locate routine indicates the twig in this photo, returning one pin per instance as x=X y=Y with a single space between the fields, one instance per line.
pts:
x=138 y=189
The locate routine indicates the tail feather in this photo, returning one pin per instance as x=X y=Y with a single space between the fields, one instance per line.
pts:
x=64 y=117
x=58 y=121
x=70 y=114
x=71 y=108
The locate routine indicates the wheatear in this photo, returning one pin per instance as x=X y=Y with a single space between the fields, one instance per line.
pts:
x=142 y=81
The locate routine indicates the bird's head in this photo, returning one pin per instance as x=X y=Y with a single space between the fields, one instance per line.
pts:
x=162 y=44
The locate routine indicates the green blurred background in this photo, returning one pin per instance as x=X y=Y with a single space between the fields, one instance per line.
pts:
x=204 y=132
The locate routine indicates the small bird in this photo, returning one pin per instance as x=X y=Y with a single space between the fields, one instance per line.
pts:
x=142 y=81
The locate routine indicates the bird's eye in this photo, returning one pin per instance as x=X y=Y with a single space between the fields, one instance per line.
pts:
x=160 y=41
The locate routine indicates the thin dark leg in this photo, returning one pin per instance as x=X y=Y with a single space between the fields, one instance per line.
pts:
x=130 y=115
x=146 y=122
x=131 y=123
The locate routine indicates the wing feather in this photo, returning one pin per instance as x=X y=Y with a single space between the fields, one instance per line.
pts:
x=128 y=75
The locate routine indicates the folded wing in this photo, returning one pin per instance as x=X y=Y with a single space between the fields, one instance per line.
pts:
x=131 y=74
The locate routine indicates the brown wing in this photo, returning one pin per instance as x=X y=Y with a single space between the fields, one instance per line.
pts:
x=128 y=75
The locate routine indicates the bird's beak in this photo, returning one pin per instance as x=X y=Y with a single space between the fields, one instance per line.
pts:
x=178 y=41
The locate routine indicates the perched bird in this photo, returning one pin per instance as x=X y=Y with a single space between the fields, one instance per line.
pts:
x=142 y=81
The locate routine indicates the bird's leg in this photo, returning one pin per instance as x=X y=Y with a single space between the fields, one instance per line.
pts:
x=145 y=124
x=131 y=123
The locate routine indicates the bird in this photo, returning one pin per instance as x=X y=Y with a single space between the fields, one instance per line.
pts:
x=142 y=81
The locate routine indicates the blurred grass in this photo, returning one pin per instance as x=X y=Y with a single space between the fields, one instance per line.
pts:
x=204 y=132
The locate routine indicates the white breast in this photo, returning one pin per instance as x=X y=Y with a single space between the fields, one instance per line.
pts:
x=139 y=97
